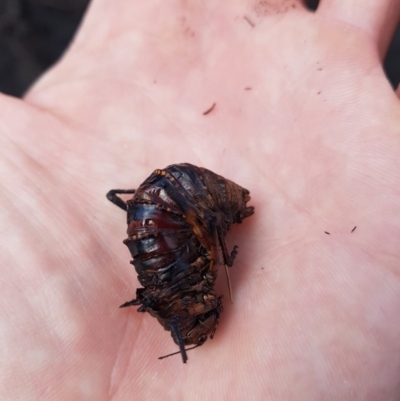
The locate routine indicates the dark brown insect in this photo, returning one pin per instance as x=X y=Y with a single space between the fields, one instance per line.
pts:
x=177 y=220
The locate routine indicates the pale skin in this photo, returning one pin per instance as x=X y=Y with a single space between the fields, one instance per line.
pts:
x=304 y=118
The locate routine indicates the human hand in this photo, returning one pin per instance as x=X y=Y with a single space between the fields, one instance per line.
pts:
x=304 y=119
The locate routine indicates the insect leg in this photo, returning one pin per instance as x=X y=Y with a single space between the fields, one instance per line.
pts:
x=130 y=303
x=178 y=352
x=112 y=197
x=228 y=259
x=178 y=338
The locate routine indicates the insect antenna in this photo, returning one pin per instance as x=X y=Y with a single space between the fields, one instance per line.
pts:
x=178 y=338
x=229 y=283
x=178 y=352
x=112 y=197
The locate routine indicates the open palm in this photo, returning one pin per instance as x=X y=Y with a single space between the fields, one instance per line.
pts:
x=304 y=118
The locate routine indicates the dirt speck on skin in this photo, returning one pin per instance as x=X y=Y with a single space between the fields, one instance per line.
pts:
x=267 y=7
x=250 y=22
x=209 y=110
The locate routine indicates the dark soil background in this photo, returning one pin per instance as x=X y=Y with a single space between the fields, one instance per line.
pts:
x=35 y=33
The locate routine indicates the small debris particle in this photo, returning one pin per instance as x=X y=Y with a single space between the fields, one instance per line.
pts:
x=319 y=69
x=262 y=268
x=210 y=109
x=251 y=23
x=319 y=93
x=248 y=88
x=353 y=229
x=326 y=232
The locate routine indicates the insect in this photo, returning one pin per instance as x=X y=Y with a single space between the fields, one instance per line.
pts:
x=177 y=222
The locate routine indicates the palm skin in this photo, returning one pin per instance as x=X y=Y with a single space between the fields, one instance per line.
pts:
x=304 y=119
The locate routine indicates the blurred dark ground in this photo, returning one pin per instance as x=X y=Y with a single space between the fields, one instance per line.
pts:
x=34 y=34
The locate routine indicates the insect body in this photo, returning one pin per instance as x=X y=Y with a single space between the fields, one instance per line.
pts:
x=177 y=221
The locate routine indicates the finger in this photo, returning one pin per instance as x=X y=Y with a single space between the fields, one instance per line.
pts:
x=129 y=16
x=378 y=18
x=276 y=6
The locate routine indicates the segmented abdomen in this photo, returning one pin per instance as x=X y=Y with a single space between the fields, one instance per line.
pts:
x=162 y=243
